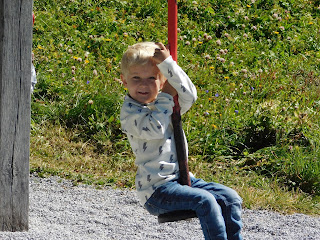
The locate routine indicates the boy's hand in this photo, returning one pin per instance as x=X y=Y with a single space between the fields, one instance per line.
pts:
x=160 y=53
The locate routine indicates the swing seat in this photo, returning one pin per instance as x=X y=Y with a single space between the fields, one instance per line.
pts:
x=176 y=216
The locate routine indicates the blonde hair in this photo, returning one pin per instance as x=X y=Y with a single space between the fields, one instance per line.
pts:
x=137 y=54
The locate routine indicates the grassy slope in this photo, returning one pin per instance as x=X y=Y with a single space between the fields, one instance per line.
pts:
x=254 y=127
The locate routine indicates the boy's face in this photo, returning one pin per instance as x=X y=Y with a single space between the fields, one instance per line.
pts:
x=143 y=82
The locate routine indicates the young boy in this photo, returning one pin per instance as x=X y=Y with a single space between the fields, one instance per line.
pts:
x=145 y=117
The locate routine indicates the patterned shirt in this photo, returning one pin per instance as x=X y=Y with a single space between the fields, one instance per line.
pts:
x=150 y=132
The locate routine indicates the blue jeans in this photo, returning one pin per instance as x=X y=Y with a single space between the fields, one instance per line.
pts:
x=217 y=206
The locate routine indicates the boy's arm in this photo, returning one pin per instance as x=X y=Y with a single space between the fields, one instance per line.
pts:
x=167 y=88
x=161 y=54
x=177 y=78
x=180 y=81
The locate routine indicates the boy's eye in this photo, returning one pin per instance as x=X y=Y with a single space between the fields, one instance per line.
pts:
x=136 y=78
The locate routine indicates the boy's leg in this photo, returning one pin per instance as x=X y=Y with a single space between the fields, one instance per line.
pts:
x=172 y=196
x=230 y=203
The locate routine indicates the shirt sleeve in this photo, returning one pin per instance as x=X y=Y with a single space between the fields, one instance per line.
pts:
x=187 y=93
x=147 y=121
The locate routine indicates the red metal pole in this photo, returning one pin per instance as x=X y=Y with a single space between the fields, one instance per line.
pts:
x=172 y=28
x=184 y=178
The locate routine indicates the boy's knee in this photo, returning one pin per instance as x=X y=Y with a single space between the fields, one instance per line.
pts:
x=206 y=204
x=233 y=197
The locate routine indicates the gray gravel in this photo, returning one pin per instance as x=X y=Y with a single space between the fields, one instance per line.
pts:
x=59 y=210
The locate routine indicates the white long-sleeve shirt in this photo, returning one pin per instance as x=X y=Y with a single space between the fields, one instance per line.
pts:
x=150 y=132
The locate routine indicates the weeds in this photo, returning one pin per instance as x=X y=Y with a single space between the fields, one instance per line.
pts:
x=256 y=68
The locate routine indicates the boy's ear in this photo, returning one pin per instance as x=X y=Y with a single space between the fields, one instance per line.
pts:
x=123 y=79
x=163 y=81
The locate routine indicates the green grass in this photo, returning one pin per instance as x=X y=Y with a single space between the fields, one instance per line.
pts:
x=254 y=127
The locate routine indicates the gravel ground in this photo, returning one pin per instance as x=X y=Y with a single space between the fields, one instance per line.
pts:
x=61 y=211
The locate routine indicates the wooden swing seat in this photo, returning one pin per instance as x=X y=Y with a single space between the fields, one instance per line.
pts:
x=176 y=216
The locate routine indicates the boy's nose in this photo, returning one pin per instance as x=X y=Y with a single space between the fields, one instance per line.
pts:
x=144 y=81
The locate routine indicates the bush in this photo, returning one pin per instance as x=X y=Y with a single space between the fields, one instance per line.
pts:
x=255 y=65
